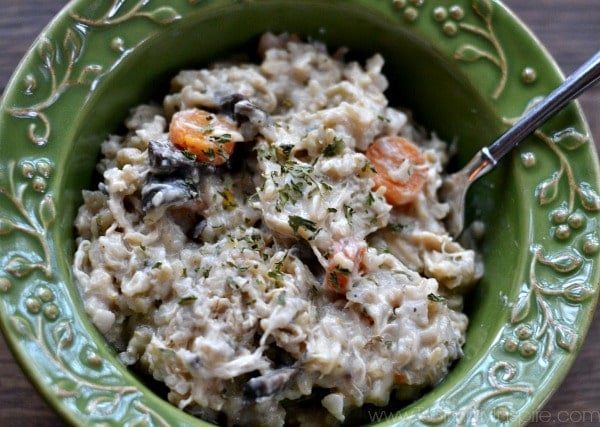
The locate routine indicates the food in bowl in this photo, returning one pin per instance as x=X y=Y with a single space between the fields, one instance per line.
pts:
x=271 y=233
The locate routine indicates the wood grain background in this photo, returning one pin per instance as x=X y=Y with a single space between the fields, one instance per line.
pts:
x=570 y=29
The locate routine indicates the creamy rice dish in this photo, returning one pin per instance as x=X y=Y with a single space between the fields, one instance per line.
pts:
x=269 y=238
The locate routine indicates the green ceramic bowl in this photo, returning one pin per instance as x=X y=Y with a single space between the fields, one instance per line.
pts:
x=453 y=63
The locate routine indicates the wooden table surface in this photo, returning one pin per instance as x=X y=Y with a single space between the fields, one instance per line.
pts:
x=570 y=30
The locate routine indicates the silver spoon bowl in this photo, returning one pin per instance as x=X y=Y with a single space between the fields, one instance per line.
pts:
x=455 y=186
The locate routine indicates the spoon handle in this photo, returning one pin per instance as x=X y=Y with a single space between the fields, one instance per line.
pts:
x=584 y=77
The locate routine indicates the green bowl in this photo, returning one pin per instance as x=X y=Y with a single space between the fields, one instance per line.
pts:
x=454 y=64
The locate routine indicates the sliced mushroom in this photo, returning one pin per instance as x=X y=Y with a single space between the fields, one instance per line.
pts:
x=165 y=158
x=269 y=384
x=165 y=192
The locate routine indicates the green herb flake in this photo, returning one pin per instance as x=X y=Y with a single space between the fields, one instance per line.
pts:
x=189 y=155
x=187 y=300
x=396 y=227
x=326 y=186
x=221 y=139
x=209 y=153
x=435 y=298
x=157 y=265
x=332 y=278
x=343 y=271
x=207 y=129
x=370 y=199
x=297 y=221
x=274 y=274
x=239 y=268
x=334 y=148
x=229 y=202
x=283 y=197
x=348 y=213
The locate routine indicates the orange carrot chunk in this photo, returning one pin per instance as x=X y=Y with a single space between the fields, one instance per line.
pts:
x=401 y=169
x=344 y=263
x=210 y=137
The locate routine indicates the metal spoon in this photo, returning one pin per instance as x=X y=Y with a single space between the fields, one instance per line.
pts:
x=455 y=186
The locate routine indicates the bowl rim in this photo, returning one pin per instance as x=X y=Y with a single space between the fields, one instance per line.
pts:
x=33 y=313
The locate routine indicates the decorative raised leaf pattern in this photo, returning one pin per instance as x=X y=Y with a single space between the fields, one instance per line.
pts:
x=550 y=327
x=566 y=337
x=577 y=292
x=46 y=52
x=547 y=190
x=109 y=397
x=6 y=226
x=566 y=170
x=500 y=382
x=65 y=387
x=72 y=45
x=63 y=334
x=47 y=212
x=20 y=266
x=540 y=304
x=453 y=22
x=565 y=261
x=588 y=197
x=22 y=327
x=521 y=307
x=36 y=226
x=470 y=53
x=163 y=15
x=570 y=139
x=57 y=63
x=120 y=12
x=484 y=9
x=88 y=74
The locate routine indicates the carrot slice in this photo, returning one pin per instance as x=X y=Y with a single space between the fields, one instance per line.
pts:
x=210 y=137
x=400 y=378
x=400 y=167
x=337 y=279
x=344 y=262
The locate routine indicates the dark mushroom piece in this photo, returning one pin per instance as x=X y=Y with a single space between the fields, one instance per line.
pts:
x=269 y=384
